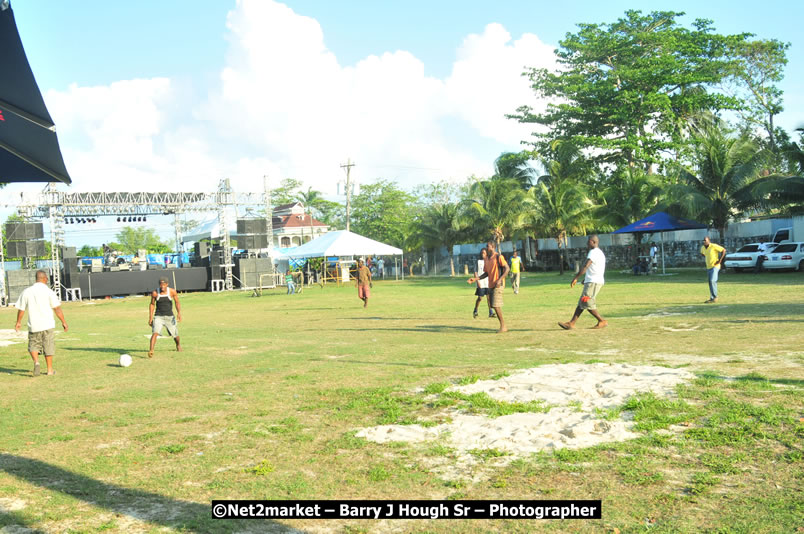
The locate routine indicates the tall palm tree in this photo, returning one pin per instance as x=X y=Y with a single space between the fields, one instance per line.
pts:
x=495 y=206
x=309 y=198
x=515 y=165
x=720 y=188
x=441 y=225
x=560 y=208
x=629 y=195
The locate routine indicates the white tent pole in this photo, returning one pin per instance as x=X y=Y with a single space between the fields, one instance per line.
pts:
x=662 y=252
x=403 y=266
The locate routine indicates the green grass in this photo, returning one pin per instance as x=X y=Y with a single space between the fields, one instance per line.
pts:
x=268 y=397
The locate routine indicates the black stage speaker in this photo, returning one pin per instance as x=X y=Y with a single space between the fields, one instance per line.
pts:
x=20 y=231
x=202 y=249
x=68 y=252
x=25 y=249
x=252 y=226
x=70 y=265
x=252 y=242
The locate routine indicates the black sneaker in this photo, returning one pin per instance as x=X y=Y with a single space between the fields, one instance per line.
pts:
x=474 y=314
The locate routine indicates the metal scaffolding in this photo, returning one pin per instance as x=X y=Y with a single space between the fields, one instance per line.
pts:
x=57 y=205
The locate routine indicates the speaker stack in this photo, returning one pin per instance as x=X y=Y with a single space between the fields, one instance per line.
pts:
x=252 y=234
x=71 y=269
x=24 y=240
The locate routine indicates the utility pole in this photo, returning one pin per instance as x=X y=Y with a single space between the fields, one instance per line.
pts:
x=348 y=166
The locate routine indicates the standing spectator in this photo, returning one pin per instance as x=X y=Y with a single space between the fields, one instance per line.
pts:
x=762 y=249
x=492 y=268
x=516 y=267
x=594 y=268
x=482 y=285
x=381 y=268
x=289 y=281
x=714 y=255
x=41 y=303
x=654 y=256
x=161 y=316
x=363 y=282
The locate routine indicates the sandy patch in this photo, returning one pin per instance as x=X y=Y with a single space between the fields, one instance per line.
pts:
x=11 y=505
x=664 y=312
x=682 y=327
x=576 y=393
x=9 y=336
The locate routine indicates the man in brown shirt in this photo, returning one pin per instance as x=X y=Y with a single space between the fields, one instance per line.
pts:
x=363 y=282
x=495 y=269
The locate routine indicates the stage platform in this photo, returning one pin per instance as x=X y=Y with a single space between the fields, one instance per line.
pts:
x=121 y=283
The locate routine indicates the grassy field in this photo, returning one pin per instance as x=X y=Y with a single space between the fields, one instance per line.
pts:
x=266 y=398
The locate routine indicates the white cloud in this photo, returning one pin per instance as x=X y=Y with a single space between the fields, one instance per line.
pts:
x=285 y=107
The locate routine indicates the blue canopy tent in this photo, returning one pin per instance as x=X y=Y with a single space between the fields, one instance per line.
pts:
x=660 y=222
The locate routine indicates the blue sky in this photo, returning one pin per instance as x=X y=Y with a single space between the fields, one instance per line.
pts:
x=177 y=94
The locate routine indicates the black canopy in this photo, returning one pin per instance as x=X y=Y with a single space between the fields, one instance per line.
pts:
x=29 y=148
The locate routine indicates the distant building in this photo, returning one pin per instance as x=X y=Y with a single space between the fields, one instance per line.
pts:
x=293 y=227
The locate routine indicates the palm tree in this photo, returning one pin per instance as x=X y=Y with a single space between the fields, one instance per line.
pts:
x=560 y=204
x=441 y=225
x=515 y=165
x=309 y=199
x=721 y=186
x=495 y=206
x=630 y=195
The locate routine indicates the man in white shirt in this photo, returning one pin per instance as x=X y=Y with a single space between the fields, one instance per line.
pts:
x=40 y=302
x=594 y=268
x=654 y=256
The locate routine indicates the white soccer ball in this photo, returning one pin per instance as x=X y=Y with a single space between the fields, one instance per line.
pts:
x=125 y=360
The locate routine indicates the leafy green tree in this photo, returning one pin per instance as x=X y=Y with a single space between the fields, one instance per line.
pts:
x=760 y=67
x=130 y=240
x=88 y=251
x=619 y=86
x=383 y=212
x=287 y=192
x=516 y=165
x=495 y=208
x=721 y=186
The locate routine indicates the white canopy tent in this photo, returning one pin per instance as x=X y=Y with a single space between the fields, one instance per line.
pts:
x=343 y=243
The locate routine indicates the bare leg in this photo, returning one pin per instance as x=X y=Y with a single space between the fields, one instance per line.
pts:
x=365 y=302
x=502 y=322
x=571 y=324
x=153 y=343
x=49 y=362
x=178 y=344
x=601 y=322
x=35 y=357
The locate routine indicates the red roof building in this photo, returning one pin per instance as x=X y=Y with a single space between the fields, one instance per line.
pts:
x=293 y=227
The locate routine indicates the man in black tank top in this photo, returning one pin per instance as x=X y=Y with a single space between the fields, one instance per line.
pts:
x=161 y=314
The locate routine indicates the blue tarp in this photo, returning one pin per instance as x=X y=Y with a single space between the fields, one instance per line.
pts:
x=660 y=222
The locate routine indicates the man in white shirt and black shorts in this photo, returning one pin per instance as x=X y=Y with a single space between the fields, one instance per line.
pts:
x=594 y=268
x=40 y=302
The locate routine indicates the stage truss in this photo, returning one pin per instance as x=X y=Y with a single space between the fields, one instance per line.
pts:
x=57 y=205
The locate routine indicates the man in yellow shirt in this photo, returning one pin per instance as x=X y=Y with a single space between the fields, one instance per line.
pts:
x=714 y=255
x=516 y=267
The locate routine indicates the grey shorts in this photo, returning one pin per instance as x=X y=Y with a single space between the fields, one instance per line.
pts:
x=165 y=321
x=496 y=297
x=43 y=342
x=587 y=300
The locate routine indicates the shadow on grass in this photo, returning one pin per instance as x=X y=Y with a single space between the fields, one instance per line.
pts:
x=16 y=371
x=439 y=328
x=105 y=349
x=145 y=506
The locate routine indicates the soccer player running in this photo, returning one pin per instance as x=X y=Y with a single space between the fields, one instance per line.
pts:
x=41 y=303
x=495 y=268
x=363 y=282
x=594 y=268
x=161 y=314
